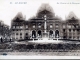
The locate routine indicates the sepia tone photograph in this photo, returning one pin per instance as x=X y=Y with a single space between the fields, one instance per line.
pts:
x=40 y=28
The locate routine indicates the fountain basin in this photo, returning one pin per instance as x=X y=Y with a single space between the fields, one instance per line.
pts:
x=46 y=41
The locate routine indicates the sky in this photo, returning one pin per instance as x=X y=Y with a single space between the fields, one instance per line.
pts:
x=29 y=8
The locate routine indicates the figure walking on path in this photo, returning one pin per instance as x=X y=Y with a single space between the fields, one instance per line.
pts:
x=1 y=39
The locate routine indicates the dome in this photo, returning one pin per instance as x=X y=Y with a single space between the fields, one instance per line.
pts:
x=45 y=9
x=71 y=15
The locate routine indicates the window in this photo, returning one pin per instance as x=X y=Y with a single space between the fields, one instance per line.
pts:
x=16 y=38
x=73 y=30
x=51 y=26
x=69 y=26
x=13 y=26
x=33 y=26
x=20 y=37
x=13 y=33
x=26 y=26
x=63 y=30
x=76 y=26
x=17 y=26
x=64 y=26
x=21 y=26
x=70 y=37
x=51 y=33
x=69 y=30
x=57 y=25
x=77 y=30
x=72 y=26
x=26 y=33
x=39 y=26
x=16 y=33
x=20 y=33
x=13 y=30
x=17 y=30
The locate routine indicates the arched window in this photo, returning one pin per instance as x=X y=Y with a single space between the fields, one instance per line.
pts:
x=33 y=34
x=50 y=33
x=56 y=34
x=39 y=33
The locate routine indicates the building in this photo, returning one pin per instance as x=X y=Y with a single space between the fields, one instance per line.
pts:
x=45 y=24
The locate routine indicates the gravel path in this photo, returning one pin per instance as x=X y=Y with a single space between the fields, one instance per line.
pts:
x=70 y=53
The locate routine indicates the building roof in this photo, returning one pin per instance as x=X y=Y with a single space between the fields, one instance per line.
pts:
x=18 y=20
x=72 y=20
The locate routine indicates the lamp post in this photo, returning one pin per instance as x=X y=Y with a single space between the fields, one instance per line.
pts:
x=45 y=24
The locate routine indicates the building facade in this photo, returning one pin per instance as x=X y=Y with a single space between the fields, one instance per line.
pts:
x=45 y=25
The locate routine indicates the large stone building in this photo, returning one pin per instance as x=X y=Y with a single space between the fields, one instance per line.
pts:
x=45 y=24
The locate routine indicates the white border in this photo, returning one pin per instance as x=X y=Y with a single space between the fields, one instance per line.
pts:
x=39 y=57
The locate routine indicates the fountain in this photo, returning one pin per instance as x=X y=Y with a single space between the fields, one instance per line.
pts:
x=46 y=40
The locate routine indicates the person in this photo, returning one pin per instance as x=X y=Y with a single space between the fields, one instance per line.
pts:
x=10 y=39
x=1 y=39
